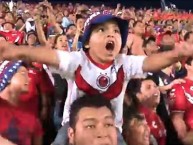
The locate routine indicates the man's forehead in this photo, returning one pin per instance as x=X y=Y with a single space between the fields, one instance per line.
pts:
x=94 y=113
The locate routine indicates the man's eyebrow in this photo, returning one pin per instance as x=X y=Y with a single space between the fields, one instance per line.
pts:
x=89 y=119
x=93 y=119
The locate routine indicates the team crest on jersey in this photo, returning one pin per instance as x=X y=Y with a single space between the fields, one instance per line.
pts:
x=103 y=81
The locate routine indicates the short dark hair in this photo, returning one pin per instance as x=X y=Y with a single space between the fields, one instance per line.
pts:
x=148 y=40
x=79 y=16
x=136 y=22
x=95 y=101
x=134 y=87
x=70 y=25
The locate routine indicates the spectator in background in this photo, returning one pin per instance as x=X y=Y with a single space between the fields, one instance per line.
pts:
x=61 y=42
x=150 y=46
x=135 y=40
x=135 y=128
x=66 y=21
x=19 y=23
x=31 y=38
x=17 y=125
x=92 y=121
x=180 y=102
x=145 y=96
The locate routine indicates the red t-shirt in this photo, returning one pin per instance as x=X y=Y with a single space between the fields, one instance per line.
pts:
x=30 y=100
x=155 y=124
x=13 y=36
x=181 y=100
x=39 y=82
x=17 y=125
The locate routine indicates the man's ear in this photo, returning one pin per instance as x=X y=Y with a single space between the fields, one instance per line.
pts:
x=71 y=135
x=86 y=45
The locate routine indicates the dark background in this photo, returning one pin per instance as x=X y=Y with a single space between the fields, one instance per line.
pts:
x=181 y=4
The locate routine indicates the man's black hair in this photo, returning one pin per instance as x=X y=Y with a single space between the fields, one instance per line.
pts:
x=134 y=87
x=148 y=40
x=93 y=101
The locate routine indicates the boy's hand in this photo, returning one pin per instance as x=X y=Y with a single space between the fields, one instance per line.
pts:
x=184 y=50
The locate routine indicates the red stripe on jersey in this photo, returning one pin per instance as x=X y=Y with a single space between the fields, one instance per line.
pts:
x=112 y=92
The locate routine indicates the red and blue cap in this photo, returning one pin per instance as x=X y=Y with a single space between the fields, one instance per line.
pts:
x=102 y=17
x=7 y=71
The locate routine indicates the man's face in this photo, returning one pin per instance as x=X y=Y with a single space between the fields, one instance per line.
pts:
x=150 y=93
x=138 y=132
x=62 y=43
x=151 y=48
x=20 y=81
x=71 y=31
x=94 y=126
x=139 y=28
x=8 y=26
x=105 y=42
x=31 y=39
x=80 y=23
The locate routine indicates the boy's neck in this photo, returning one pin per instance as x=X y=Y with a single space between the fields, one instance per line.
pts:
x=98 y=63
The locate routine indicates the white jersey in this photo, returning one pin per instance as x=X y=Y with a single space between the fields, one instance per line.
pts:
x=86 y=77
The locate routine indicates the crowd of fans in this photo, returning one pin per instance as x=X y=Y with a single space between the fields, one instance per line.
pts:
x=144 y=97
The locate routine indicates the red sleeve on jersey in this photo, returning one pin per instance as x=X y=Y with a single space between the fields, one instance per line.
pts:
x=177 y=99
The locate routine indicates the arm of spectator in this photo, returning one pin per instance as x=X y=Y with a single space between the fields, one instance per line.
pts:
x=117 y=9
x=156 y=62
x=52 y=20
x=41 y=54
x=4 y=141
x=40 y=32
x=75 y=41
x=22 y=28
x=180 y=126
x=76 y=38
x=168 y=87
x=57 y=28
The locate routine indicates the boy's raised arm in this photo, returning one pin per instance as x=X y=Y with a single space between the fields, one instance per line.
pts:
x=42 y=54
x=162 y=60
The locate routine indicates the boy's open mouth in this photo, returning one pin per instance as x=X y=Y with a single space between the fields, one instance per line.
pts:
x=110 y=45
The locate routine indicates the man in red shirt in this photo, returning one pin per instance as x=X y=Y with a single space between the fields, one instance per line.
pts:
x=145 y=96
x=12 y=35
x=181 y=105
x=17 y=125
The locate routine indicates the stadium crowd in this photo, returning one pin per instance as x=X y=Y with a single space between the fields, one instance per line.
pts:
x=76 y=74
